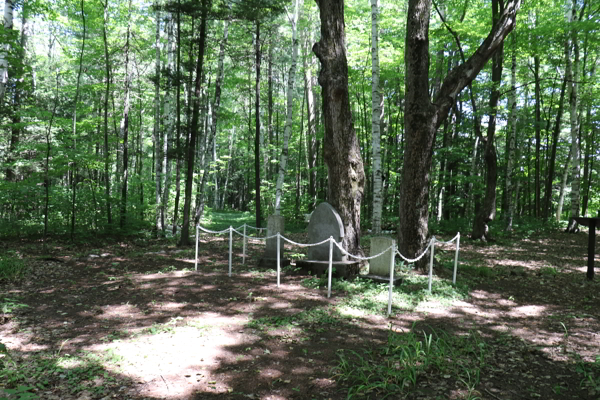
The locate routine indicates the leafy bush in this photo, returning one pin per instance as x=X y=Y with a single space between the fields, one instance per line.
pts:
x=12 y=267
x=395 y=368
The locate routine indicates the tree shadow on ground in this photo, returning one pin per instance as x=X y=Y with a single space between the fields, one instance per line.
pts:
x=161 y=331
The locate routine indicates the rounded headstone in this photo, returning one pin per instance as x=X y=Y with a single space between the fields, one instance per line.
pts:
x=380 y=265
x=275 y=223
x=325 y=221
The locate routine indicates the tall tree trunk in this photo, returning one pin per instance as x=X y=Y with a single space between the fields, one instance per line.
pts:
x=376 y=113
x=290 y=111
x=487 y=212
x=574 y=121
x=422 y=118
x=156 y=132
x=125 y=126
x=170 y=122
x=106 y=95
x=74 y=166
x=215 y=117
x=16 y=127
x=538 y=130
x=8 y=26
x=228 y=170
x=341 y=147
x=178 y=127
x=257 y=198
x=185 y=229
x=511 y=137
x=563 y=185
x=552 y=161
x=47 y=163
x=311 y=135
x=269 y=112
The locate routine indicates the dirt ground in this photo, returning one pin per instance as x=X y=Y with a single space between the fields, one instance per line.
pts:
x=159 y=330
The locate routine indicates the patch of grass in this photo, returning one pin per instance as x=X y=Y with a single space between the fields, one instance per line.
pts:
x=79 y=372
x=315 y=316
x=12 y=267
x=363 y=296
x=549 y=271
x=7 y=305
x=395 y=368
x=590 y=372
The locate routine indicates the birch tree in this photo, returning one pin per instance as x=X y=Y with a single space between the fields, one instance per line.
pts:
x=573 y=76
x=8 y=26
x=512 y=135
x=377 y=108
x=290 y=110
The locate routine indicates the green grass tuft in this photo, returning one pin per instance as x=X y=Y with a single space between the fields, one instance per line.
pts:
x=395 y=368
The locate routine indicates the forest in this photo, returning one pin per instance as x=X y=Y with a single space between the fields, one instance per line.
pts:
x=129 y=115
x=125 y=126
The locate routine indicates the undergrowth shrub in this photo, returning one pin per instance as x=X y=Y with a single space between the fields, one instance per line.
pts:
x=12 y=267
x=395 y=368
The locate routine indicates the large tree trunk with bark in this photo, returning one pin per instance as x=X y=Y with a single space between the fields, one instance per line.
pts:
x=422 y=118
x=487 y=211
x=156 y=132
x=341 y=147
x=185 y=229
x=125 y=127
x=257 y=198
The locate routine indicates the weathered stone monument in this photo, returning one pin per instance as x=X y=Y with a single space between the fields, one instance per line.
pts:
x=326 y=222
x=379 y=267
x=275 y=223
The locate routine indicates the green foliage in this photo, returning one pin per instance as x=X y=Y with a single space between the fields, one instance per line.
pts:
x=78 y=372
x=314 y=316
x=397 y=367
x=362 y=296
x=590 y=372
x=12 y=267
x=7 y=305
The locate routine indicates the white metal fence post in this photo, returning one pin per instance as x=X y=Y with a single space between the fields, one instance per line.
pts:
x=196 y=259
x=244 y=247
x=456 y=258
x=330 y=266
x=278 y=260
x=230 y=247
x=431 y=262
x=392 y=265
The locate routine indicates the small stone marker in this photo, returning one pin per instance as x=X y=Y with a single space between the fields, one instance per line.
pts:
x=380 y=265
x=325 y=222
x=275 y=223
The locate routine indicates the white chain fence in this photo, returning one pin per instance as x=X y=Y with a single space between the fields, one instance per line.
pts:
x=332 y=242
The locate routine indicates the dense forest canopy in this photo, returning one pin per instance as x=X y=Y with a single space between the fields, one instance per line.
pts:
x=130 y=115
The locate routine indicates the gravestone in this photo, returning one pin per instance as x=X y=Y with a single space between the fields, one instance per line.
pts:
x=380 y=265
x=325 y=222
x=275 y=223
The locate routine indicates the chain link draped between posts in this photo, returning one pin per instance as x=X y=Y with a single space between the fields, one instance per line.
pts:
x=393 y=248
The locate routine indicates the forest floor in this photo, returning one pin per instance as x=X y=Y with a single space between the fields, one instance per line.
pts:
x=131 y=319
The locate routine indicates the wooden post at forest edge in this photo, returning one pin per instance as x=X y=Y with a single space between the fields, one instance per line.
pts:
x=591 y=223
